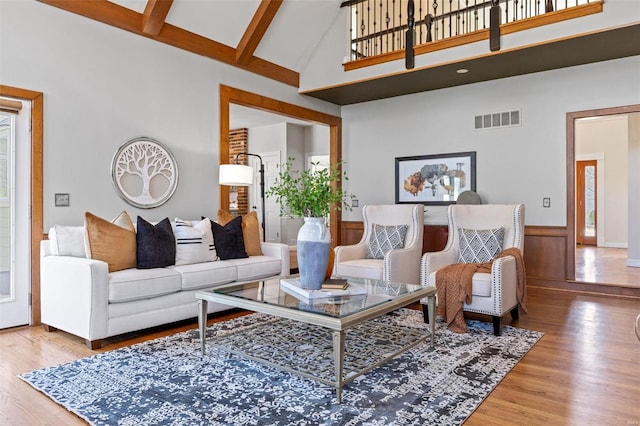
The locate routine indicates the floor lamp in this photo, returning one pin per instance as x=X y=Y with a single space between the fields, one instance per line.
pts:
x=241 y=175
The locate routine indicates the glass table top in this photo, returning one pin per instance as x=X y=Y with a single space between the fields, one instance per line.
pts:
x=364 y=294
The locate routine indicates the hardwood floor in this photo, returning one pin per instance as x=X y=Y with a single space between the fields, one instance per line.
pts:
x=607 y=266
x=584 y=371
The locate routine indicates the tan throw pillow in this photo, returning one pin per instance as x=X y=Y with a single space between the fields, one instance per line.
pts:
x=112 y=242
x=250 y=230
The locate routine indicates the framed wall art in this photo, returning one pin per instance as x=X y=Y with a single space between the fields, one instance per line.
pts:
x=435 y=179
x=144 y=173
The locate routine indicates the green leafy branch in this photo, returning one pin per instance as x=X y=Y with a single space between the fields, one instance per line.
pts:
x=310 y=193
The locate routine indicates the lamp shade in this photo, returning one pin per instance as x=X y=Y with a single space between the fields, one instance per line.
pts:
x=235 y=175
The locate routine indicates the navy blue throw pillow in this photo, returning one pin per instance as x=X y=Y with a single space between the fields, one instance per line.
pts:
x=229 y=240
x=156 y=245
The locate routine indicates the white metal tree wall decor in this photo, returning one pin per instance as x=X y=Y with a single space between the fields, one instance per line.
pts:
x=144 y=173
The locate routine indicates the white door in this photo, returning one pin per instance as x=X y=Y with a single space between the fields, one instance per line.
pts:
x=271 y=161
x=15 y=190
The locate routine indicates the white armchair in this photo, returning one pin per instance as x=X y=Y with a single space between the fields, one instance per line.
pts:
x=399 y=264
x=493 y=293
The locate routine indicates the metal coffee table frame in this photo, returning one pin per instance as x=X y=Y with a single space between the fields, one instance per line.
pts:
x=337 y=324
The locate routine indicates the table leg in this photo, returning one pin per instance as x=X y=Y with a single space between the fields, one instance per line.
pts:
x=338 y=360
x=431 y=304
x=202 y=322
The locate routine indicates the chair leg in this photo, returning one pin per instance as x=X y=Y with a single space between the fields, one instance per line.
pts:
x=497 y=325
x=425 y=313
x=515 y=314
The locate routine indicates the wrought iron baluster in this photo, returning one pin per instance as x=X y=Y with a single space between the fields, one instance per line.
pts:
x=475 y=15
x=450 y=18
x=435 y=16
x=393 y=22
x=420 y=14
x=428 y=22
x=387 y=20
x=400 y=38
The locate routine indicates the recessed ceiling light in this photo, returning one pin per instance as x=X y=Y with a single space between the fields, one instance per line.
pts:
x=462 y=71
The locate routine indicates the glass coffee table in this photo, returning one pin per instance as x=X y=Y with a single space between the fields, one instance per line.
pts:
x=338 y=314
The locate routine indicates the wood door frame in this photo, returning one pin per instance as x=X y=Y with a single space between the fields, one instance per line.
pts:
x=230 y=95
x=571 y=175
x=37 y=110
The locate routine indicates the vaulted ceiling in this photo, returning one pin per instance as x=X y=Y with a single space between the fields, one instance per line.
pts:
x=275 y=39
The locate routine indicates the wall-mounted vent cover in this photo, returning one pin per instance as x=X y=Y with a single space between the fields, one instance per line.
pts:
x=498 y=119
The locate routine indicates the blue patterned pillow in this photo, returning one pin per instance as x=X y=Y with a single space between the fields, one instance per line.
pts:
x=384 y=239
x=480 y=245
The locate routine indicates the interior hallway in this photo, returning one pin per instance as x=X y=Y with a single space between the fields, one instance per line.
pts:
x=605 y=266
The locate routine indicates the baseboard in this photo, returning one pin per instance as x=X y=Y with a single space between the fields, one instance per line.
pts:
x=635 y=263
x=615 y=245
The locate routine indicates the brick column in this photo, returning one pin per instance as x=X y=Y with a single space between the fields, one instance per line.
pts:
x=238 y=142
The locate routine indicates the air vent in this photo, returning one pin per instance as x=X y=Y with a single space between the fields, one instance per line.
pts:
x=498 y=119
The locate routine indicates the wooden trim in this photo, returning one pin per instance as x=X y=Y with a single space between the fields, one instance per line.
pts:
x=571 y=175
x=154 y=15
x=37 y=132
x=230 y=95
x=129 y=20
x=255 y=31
x=552 y=18
x=459 y=40
x=10 y=106
x=545 y=231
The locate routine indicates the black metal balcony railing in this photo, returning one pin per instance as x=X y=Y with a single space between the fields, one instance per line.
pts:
x=378 y=26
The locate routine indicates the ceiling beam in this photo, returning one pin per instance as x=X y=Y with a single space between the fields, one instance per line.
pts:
x=256 y=30
x=155 y=13
x=129 y=20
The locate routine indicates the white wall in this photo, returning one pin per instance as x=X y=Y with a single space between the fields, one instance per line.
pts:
x=103 y=86
x=608 y=136
x=633 y=255
x=514 y=164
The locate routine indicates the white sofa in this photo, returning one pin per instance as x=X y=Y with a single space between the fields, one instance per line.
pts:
x=79 y=295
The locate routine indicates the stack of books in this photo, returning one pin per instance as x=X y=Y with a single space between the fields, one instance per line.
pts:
x=335 y=284
x=341 y=288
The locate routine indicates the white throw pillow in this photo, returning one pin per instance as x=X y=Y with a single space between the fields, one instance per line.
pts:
x=67 y=241
x=194 y=241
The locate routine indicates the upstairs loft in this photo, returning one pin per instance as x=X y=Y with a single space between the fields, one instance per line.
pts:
x=377 y=28
x=378 y=42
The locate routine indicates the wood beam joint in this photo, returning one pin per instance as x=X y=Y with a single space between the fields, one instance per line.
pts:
x=154 y=15
x=126 y=19
x=256 y=30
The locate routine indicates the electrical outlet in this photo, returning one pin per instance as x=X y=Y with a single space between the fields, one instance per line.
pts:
x=546 y=202
x=354 y=203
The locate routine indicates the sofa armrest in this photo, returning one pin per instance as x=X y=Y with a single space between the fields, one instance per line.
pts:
x=280 y=251
x=74 y=294
x=433 y=261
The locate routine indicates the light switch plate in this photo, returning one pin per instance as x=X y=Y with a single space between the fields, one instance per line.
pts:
x=62 y=200
x=546 y=202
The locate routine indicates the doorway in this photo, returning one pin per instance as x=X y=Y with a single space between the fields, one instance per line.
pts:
x=602 y=263
x=230 y=95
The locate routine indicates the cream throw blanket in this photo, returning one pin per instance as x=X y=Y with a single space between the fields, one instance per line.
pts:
x=453 y=283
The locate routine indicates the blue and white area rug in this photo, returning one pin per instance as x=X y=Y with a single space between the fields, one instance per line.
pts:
x=168 y=382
